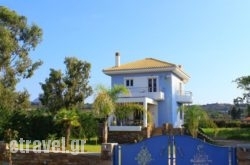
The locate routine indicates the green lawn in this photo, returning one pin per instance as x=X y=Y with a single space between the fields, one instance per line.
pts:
x=229 y=133
x=92 y=148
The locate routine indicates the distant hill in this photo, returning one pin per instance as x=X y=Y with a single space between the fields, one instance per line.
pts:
x=37 y=102
x=219 y=107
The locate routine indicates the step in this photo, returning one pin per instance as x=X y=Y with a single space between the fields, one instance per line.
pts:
x=157 y=131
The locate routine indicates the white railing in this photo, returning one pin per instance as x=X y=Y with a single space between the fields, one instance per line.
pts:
x=125 y=128
x=184 y=97
x=145 y=92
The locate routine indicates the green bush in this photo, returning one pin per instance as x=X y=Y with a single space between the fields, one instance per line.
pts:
x=220 y=123
x=229 y=133
x=88 y=126
x=32 y=125
x=228 y=123
x=245 y=125
x=4 y=119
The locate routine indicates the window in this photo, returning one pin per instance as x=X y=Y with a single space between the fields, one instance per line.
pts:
x=152 y=85
x=129 y=82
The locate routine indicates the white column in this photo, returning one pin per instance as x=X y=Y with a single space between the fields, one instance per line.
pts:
x=145 y=116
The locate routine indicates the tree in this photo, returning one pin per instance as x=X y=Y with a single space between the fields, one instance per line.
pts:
x=69 y=119
x=17 y=39
x=248 y=110
x=244 y=83
x=235 y=113
x=88 y=125
x=194 y=117
x=13 y=100
x=104 y=104
x=116 y=90
x=10 y=135
x=77 y=81
x=4 y=120
x=7 y=98
x=67 y=90
x=53 y=90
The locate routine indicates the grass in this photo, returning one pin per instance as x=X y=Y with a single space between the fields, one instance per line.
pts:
x=92 y=148
x=229 y=133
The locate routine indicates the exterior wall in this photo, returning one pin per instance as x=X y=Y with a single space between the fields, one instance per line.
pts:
x=177 y=122
x=168 y=83
x=153 y=109
x=165 y=106
x=117 y=80
x=140 y=80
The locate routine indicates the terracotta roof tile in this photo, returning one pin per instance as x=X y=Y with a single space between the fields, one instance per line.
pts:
x=147 y=63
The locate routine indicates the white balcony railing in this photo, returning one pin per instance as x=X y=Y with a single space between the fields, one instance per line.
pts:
x=184 y=97
x=145 y=92
x=125 y=128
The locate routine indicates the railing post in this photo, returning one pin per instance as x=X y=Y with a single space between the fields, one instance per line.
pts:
x=119 y=155
x=233 y=159
x=171 y=151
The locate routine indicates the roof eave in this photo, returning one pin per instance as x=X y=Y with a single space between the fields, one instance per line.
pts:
x=144 y=70
x=184 y=76
x=179 y=72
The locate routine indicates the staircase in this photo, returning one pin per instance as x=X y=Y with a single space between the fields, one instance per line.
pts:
x=203 y=136
x=157 y=131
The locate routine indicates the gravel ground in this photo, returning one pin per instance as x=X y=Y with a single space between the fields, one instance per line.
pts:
x=232 y=143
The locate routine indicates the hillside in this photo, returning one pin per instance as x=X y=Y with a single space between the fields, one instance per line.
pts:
x=218 y=107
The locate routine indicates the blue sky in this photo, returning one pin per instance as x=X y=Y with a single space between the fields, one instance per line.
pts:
x=211 y=39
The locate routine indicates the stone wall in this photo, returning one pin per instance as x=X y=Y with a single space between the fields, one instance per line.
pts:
x=57 y=158
x=122 y=137
x=243 y=154
x=51 y=158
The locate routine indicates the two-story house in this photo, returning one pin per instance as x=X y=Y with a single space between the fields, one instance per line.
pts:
x=155 y=84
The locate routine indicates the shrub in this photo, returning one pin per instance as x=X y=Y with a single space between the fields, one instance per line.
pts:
x=245 y=125
x=32 y=125
x=227 y=123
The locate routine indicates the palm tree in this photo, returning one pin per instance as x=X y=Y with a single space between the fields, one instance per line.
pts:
x=104 y=104
x=194 y=117
x=113 y=92
x=69 y=118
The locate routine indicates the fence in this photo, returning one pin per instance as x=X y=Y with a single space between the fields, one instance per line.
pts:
x=173 y=150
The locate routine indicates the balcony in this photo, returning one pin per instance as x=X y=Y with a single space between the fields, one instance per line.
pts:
x=145 y=92
x=184 y=97
x=126 y=125
x=125 y=128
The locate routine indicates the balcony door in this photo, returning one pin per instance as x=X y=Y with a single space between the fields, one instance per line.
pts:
x=152 y=85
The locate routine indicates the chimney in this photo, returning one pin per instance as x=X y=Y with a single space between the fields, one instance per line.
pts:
x=117 y=59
